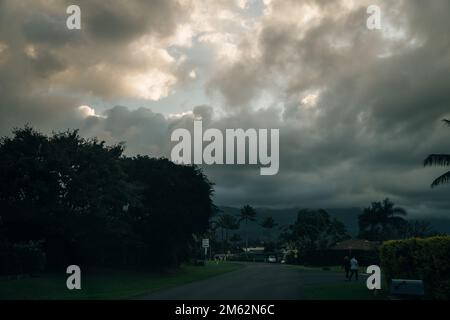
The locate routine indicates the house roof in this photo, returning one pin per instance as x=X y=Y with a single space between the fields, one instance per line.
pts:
x=355 y=244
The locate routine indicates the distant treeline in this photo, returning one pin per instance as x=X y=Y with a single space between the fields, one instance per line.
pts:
x=69 y=200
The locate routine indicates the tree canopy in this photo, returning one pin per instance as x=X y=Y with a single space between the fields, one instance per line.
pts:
x=90 y=204
x=382 y=221
x=315 y=229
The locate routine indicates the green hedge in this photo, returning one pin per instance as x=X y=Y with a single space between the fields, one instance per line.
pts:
x=425 y=259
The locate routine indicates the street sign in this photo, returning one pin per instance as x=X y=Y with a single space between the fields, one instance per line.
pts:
x=205 y=243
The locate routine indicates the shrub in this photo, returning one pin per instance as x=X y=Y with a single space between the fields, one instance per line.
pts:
x=424 y=259
x=6 y=258
x=22 y=258
x=30 y=257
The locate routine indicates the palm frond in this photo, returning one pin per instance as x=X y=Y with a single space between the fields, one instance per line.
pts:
x=445 y=178
x=437 y=160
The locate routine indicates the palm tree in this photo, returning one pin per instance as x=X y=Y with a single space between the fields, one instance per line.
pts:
x=213 y=226
x=381 y=220
x=268 y=224
x=439 y=160
x=228 y=222
x=248 y=214
x=219 y=224
x=225 y=222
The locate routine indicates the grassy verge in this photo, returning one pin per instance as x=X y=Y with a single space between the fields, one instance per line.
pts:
x=338 y=289
x=336 y=269
x=107 y=284
x=342 y=291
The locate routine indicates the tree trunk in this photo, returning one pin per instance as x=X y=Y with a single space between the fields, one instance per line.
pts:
x=246 y=239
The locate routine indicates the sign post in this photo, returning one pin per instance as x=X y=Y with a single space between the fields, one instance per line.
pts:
x=205 y=244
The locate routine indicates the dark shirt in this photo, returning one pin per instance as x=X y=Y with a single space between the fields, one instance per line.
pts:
x=347 y=263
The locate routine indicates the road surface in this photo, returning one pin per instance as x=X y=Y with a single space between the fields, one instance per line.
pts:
x=256 y=281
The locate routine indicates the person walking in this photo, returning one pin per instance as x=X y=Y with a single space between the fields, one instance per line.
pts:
x=354 y=266
x=346 y=266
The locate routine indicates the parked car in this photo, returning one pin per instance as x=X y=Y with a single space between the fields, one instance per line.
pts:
x=272 y=259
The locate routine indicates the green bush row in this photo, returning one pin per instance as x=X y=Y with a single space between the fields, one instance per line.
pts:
x=425 y=259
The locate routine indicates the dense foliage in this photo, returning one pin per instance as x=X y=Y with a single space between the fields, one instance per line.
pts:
x=89 y=204
x=382 y=221
x=425 y=259
x=439 y=160
x=314 y=230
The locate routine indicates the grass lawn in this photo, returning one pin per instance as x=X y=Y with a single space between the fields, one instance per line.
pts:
x=107 y=284
x=336 y=269
x=340 y=289
x=341 y=269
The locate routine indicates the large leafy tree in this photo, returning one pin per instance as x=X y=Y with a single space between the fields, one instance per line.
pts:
x=439 y=160
x=62 y=189
x=382 y=221
x=168 y=212
x=92 y=205
x=313 y=230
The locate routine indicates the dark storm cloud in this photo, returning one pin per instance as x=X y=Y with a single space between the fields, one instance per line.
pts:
x=358 y=110
x=377 y=114
x=46 y=29
x=123 y=20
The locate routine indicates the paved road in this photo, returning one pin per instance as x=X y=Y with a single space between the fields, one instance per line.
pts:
x=256 y=281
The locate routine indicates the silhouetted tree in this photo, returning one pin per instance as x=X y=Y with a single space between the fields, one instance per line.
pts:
x=314 y=230
x=268 y=224
x=235 y=238
x=62 y=189
x=382 y=221
x=92 y=205
x=439 y=160
x=227 y=222
x=247 y=214
x=168 y=213
x=419 y=229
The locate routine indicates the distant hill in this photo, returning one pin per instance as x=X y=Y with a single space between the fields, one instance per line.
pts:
x=286 y=216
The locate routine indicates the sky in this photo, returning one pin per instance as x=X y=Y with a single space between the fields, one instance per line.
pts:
x=358 y=110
